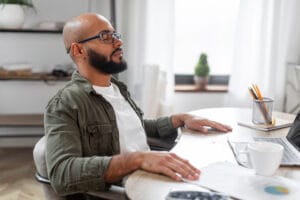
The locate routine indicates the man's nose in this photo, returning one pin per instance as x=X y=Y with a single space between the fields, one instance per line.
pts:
x=118 y=42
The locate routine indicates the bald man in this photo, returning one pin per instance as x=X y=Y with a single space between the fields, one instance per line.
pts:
x=96 y=134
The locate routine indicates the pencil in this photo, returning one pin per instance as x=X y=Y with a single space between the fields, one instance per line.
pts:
x=260 y=97
x=257 y=95
x=252 y=93
x=257 y=90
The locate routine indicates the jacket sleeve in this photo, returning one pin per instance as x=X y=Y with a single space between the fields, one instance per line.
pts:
x=159 y=128
x=68 y=171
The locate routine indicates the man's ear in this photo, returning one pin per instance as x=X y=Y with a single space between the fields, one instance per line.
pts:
x=77 y=49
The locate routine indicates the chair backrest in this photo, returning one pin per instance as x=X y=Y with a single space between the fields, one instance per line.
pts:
x=114 y=193
x=40 y=165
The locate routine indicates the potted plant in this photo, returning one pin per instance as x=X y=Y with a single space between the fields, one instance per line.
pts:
x=201 y=76
x=12 y=13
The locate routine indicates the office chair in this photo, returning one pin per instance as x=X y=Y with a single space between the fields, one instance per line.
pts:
x=114 y=193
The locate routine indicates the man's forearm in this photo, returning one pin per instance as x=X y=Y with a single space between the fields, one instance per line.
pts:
x=121 y=165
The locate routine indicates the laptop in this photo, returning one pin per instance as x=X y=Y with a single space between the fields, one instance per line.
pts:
x=291 y=144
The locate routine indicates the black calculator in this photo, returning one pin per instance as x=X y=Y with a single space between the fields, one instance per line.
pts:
x=195 y=195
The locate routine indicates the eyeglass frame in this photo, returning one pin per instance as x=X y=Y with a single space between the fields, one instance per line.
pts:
x=114 y=35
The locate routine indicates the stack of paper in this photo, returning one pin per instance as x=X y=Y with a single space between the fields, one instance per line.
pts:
x=242 y=183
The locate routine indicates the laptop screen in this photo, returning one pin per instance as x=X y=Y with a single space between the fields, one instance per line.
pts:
x=294 y=133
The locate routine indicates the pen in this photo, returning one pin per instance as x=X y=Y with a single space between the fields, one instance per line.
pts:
x=260 y=97
x=256 y=94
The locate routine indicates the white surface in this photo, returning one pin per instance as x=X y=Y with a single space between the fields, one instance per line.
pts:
x=212 y=27
x=42 y=50
x=186 y=102
x=279 y=123
x=242 y=183
x=153 y=92
x=26 y=96
x=263 y=157
x=264 y=44
x=11 y=16
x=148 y=35
x=137 y=184
x=202 y=150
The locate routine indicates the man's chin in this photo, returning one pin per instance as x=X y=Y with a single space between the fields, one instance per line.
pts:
x=112 y=67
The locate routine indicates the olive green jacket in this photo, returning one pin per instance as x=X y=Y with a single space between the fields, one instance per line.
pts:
x=82 y=136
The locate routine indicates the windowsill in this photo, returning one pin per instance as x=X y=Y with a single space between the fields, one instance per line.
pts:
x=209 y=88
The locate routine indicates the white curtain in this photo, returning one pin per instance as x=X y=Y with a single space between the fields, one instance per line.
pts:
x=265 y=41
x=147 y=30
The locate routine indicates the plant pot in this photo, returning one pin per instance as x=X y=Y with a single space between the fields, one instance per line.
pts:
x=11 y=16
x=201 y=82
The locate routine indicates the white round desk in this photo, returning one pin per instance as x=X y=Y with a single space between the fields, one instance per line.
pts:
x=202 y=150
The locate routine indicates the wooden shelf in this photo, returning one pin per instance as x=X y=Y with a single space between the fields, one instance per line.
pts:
x=35 y=119
x=21 y=125
x=35 y=77
x=31 y=30
x=209 y=88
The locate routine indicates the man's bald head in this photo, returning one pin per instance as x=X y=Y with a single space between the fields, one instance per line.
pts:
x=81 y=27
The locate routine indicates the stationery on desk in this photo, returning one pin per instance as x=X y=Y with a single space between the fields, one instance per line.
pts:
x=280 y=123
x=269 y=122
x=290 y=143
x=256 y=95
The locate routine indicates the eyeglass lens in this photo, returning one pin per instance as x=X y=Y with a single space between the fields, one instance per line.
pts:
x=108 y=37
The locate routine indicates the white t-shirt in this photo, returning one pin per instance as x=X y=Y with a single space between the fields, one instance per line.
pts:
x=131 y=132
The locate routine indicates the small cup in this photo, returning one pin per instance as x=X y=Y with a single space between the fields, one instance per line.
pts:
x=262 y=111
x=263 y=157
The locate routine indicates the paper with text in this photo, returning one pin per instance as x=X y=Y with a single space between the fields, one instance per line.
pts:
x=242 y=183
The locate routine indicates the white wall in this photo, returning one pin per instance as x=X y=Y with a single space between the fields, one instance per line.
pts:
x=185 y=102
x=43 y=51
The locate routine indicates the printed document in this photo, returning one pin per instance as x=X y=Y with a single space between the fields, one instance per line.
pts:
x=242 y=183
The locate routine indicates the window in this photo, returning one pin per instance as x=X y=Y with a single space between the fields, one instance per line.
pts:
x=205 y=26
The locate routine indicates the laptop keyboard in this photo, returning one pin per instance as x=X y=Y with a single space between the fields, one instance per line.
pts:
x=288 y=154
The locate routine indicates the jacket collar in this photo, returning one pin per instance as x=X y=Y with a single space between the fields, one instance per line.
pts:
x=88 y=87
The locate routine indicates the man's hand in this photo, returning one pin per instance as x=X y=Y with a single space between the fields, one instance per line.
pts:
x=197 y=123
x=170 y=165
x=201 y=124
x=165 y=163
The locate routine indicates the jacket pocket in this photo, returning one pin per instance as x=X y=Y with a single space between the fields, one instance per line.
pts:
x=100 y=138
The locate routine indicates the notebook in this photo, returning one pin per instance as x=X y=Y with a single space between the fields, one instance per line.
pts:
x=280 y=123
x=291 y=144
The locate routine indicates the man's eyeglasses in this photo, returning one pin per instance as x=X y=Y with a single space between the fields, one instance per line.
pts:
x=106 y=37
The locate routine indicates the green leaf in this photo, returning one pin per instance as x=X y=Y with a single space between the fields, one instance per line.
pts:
x=18 y=2
x=202 y=67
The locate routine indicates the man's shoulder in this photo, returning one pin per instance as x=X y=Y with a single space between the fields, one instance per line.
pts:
x=70 y=92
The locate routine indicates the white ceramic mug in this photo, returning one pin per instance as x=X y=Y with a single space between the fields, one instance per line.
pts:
x=263 y=157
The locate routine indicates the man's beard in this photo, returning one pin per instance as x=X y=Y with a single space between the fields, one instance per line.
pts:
x=100 y=63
